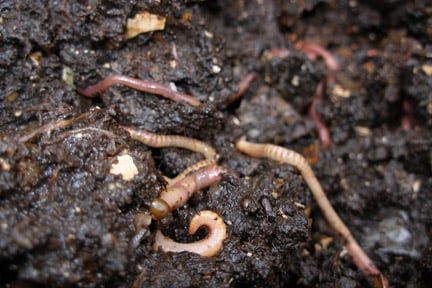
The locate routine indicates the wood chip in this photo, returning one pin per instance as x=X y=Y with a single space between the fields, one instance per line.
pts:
x=144 y=22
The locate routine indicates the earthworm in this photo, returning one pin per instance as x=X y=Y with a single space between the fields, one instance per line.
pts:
x=178 y=194
x=277 y=153
x=209 y=246
x=244 y=84
x=315 y=49
x=323 y=131
x=407 y=119
x=141 y=85
x=312 y=50
x=190 y=169
x=159 y=141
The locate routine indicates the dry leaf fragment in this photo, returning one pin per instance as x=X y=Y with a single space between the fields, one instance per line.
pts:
x=144 y=22
x=125 y=167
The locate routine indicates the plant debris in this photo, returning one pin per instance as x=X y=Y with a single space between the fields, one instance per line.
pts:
x=144 y=22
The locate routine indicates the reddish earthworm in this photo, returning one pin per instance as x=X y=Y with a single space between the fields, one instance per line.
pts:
x=323 y=131
x=209 y=246
x=141 y=85
x=407 y=119
x=277 y=153
x=312 y=49
x=178 y=194
x=244 y=84
x=159 y=141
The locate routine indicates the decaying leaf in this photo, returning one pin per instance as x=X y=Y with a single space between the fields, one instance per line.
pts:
x=144 y=22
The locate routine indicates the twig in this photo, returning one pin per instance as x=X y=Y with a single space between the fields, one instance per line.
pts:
x=53 y=125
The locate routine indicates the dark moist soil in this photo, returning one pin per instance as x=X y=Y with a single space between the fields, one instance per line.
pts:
x=65 y=220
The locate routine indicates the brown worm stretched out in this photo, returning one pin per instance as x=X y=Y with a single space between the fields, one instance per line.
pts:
x=209 y=246
x=141 y=85
x=178 y=193
x=189 y=169
x=277 y=153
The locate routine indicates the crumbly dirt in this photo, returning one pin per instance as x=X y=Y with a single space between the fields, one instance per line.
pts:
x=65 y=220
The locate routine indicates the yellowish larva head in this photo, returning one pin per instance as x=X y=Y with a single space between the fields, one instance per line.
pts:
x=159 y=208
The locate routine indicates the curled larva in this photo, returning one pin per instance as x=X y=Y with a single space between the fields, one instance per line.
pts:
x=209 y=246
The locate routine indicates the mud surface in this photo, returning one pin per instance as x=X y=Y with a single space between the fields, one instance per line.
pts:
x=65 y=220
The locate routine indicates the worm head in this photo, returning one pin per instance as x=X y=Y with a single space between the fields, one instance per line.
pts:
x=159 y=208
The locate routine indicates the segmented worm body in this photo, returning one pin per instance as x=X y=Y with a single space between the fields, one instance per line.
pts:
x=243 y=85
x=323 y=131
x=311 y=50
x=209 y=246
x=159 y=141
x=141 y=85
x=290 y=157
x=178 y=194
x=190 y=169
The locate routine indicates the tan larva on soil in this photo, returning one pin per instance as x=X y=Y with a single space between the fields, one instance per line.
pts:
x=209 y=246
x=277 y=153
x=160 y=141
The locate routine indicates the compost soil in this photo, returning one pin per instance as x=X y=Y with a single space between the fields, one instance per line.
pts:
x=67 y=220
